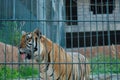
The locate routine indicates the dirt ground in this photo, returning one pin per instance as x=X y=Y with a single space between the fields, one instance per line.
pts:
x=8 y=54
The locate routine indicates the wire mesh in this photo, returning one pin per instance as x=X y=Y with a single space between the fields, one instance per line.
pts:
x=86 y=28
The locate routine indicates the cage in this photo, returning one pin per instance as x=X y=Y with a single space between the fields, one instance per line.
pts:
x=88 y=28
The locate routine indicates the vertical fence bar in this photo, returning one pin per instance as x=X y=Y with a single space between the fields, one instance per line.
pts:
x=65 y=7
x=97 y=33
x=78 y=39
x=32 y=13
x=91 y=41
x=4 y=66
x=14 y=9
x=71 y=23
x=84 y=31
x=108 y=33
x=58 y=29
x=103 y=36
x=115 y=32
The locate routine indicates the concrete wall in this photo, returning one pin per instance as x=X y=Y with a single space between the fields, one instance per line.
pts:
x=49 y=13
x=90 y=22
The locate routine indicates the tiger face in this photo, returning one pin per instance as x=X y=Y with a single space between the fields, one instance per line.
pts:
x=28 y=44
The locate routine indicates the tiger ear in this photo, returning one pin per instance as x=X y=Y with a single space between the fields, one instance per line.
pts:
x=23 y=32
x=37 y=32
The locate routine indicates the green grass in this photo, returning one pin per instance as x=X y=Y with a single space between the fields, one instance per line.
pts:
x=105 y=64
x=28 y=71
x=22 y=72
x=10 y=32
x=99 y=65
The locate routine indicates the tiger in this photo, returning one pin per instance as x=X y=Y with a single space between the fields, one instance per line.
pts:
x=55 y=63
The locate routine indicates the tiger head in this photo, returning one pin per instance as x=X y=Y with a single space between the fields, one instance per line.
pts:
x=29 y=43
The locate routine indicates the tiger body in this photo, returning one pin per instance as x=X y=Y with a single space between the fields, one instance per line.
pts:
x=56 y=64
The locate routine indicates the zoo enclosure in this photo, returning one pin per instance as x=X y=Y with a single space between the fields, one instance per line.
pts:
x=74 y=24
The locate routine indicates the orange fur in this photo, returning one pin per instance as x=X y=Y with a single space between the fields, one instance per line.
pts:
x=65 y=69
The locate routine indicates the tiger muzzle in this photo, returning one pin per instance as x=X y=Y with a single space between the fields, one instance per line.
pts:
x=26 y=53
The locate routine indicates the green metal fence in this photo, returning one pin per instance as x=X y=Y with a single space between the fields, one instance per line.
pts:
x=88 y=27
